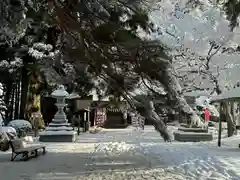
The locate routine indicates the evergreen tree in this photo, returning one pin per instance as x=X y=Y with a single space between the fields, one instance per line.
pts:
x=105 y=35
x=24 y=25
x=230 y=7
x=28 y=46
x=101 y=39
x=232 y=10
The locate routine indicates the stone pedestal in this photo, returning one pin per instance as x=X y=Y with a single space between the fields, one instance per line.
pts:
x=58 y=137
x=194 y=130
x=192 y=137
x=59 y=130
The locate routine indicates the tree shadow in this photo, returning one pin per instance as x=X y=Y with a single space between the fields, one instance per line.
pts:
x=69 y=165
x=64 y=165
x=193 y=161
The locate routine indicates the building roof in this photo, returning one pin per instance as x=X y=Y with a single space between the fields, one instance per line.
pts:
x=232 y=94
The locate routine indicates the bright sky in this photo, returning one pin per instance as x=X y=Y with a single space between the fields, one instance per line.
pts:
x=179 y=29
x=194 y=31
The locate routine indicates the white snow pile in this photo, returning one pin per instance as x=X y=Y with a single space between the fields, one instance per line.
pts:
x=9 y=130
x=204 y=101
x=114 y=148
x=6 y=130
x=122 y=148
x=28 y=139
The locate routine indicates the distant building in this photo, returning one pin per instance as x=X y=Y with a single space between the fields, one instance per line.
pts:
x=108 y=116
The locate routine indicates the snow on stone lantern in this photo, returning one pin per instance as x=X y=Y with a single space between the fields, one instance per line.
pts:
x=59 y=130
x=60 y=94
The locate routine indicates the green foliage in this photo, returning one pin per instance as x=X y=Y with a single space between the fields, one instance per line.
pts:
x=232 y=10
x=35 y=109
x=110 y=44
x=12 y=21
x=230 y=7
x=99 y=39
x=109 y=32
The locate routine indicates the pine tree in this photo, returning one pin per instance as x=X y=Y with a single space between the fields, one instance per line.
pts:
x=24 y=26
x=105 y=36
x=100 y=39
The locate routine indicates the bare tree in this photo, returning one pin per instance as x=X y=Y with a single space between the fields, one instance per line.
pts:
x=205 y=71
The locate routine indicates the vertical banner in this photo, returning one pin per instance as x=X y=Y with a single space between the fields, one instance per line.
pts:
x=135 y=122
x=138 y=121
x=100 y=117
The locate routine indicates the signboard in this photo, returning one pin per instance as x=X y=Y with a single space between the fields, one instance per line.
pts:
x=113 y=110
x=100 y=117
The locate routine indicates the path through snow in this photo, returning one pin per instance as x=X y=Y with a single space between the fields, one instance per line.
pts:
x=127 y=154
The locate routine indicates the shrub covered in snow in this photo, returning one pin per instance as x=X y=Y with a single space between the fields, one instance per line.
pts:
x=22 y=127
x=6 y=133
x=4 y=145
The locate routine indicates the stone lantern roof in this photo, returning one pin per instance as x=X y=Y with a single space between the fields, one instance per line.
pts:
x=60 y=92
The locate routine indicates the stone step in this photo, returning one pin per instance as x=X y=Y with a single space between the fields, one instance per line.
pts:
x=50 y=128
x=192 y=137
x=57 y=138
x=196 y=130
x=63 y=121
x=59 y=125
x=60 y=117
x=187 y=125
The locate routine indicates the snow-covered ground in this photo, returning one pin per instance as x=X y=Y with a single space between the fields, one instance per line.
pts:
x=128 y=154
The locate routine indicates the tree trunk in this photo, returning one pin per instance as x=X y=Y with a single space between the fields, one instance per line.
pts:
x=147 y=110
x=11 y=107
x=7 y=99
x=33 y=106
x=17 y=99
x=174 y=91
x=24 y=92
x=234 y=115
x=221 y=118
x=157 y=121
x=229 y=110
x=231 y=123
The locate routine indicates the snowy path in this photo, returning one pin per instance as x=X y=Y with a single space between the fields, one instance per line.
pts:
x=124 y=154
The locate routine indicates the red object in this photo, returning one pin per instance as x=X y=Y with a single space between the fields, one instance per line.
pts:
x=100 y=117
x=207 y=114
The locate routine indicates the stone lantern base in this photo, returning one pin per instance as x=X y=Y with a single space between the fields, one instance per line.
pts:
x=58 y=132
x=51 y=136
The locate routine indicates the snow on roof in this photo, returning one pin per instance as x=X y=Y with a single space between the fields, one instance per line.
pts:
x=60 y=92
x=197 y=93
x=227 y=95
x=73 y=95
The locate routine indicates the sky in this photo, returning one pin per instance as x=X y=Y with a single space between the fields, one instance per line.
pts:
x=178 y=29
x=193 y=30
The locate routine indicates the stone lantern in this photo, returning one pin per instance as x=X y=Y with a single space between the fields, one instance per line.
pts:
x=59 y=130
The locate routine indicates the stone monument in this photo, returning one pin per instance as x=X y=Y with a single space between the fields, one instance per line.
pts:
x=59 y=130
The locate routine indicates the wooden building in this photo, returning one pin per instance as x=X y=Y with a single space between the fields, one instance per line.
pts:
x=81 y=108
x=85 y=109
x=114 y=117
